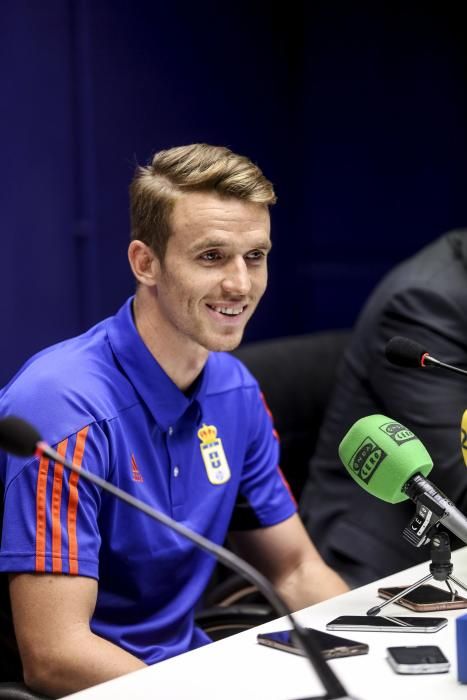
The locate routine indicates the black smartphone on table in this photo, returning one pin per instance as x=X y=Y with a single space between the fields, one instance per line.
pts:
x=380 y=623
x=331 y=646
x=425 y=598
x=417 y=659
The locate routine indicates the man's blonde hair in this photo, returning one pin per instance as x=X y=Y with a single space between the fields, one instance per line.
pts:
x=198 y=167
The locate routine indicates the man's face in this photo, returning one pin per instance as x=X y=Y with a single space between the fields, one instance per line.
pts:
x=214 y=271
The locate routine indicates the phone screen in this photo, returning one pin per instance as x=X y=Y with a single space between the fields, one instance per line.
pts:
x=331 y=645
x=419 y=659
x=397 y=624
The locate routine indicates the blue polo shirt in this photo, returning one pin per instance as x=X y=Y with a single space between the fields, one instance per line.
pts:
x=103 y=401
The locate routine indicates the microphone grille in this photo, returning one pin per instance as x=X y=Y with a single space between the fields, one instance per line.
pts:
x=404 y=352
x=18 y=437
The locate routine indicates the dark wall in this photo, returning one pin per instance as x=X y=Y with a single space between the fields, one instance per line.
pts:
x=356 y=111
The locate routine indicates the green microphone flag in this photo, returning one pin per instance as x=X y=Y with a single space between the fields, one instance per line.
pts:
x=382 y=455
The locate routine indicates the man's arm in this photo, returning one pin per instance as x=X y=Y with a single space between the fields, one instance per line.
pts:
x=285 y=554
x=59 y=652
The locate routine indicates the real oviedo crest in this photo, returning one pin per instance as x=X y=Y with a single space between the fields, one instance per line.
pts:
x=214 y=459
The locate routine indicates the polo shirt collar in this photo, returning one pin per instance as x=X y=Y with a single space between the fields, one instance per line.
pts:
x=166 y=402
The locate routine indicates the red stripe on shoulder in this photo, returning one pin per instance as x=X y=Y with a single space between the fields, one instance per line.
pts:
x=269 y=412
x=73 y=501
x=41 y=512
x=287 y=486
x=57 y=563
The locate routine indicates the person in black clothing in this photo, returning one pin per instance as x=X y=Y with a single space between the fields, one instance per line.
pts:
x=424 y=298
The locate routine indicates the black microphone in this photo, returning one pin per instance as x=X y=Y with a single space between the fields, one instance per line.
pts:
x=22 y=439
x=405 y=352
x=432 y=506
x=18 y=437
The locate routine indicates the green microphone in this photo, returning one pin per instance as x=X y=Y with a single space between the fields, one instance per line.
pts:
x=386 y=459
x=382 y=455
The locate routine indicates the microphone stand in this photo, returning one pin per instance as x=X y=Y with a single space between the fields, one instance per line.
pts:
x=333 y=687
x=427 y=361
x=440 y=570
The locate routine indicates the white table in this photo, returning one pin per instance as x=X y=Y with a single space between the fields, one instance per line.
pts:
x=239 y=668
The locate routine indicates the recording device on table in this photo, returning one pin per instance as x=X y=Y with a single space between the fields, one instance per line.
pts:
x=375 y=623
x=331 y=646
x=425 y=598
x=22 y=439
x=417 y=659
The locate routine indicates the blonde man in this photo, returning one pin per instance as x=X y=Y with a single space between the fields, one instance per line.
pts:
x=148 y=399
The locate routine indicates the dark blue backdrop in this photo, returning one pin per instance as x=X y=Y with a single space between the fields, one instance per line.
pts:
x=356 y=111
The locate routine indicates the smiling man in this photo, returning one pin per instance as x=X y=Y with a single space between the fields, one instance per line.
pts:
x=149 y=400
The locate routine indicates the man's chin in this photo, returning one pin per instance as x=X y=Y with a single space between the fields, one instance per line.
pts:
x=225 y=343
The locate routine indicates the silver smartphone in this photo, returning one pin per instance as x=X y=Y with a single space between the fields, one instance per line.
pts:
x=331 y=646
x=380 y=623
x=417 y=659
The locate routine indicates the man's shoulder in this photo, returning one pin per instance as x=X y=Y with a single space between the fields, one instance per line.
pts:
x=67 y=362
x=438 y=271
x=442 y=262
x=75 y=381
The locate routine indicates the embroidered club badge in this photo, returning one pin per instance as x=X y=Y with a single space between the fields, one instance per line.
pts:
x=214 y=458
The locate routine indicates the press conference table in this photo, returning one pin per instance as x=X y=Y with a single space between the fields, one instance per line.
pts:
x=238 y=667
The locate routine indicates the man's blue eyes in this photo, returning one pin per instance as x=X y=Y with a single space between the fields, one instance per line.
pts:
x=255 y=255
x=211 y=256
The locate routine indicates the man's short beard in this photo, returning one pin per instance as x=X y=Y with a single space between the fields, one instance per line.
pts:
x=225 y=347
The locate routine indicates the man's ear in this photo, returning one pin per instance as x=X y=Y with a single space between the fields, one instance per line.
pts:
x=144 y=263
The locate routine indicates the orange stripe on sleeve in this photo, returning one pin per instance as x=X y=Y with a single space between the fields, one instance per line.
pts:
x=268 y=411
x=41 y=493
x=73 y=502
x=56 y=506
x=276 y=435
x=287 y=486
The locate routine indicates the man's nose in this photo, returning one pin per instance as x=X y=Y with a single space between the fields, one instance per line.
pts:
x=237 y=278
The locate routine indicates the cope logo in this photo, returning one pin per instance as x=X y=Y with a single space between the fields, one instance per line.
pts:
x=213 y=454
x=399 y=433
x=367 y=459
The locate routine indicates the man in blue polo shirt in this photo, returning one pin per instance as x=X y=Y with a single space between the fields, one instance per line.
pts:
x=149 y=400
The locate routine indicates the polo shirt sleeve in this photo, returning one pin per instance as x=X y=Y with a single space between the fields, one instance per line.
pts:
x=50 y=520
x=264 y=498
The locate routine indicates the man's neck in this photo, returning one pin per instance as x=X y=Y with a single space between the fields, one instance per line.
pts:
x=180 y=358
